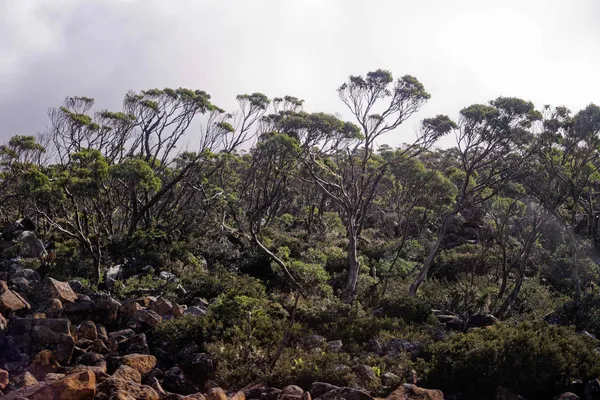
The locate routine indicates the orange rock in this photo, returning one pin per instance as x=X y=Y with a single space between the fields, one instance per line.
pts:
x=42 y=364
x=409 y=391
x=143 y=363
x=238 y=396
x=3 y=379
x=79 y=386
x=216 y=394
x=54 y=289
x=128 y=373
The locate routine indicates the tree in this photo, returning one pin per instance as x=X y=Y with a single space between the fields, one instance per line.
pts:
x=487 y=139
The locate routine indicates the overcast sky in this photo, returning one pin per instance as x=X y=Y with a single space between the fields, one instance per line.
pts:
x=464 y=51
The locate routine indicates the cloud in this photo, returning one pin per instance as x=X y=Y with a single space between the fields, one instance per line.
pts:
x=464 y=51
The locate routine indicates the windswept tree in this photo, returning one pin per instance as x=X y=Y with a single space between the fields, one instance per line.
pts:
x=564 y=171
x=490 y=142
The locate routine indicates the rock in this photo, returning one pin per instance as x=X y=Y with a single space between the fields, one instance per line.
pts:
x=568 y=396
x=238 y=396
x=178 y=310
x=365 y=373
x=14 y=229
x=80 y=288
x=349 y=394
x=25 y=380
x=167 y=276
x=143 y=363
x=34 y=335
x=162 y=306
x=87 y=330
x=11 y=302
x=176 y=381
x=32 y=246
x=482 y=320
x=42 y=364
x=216 y=394
x=292 y=390
x=396 y=346
x=92 y=360
x=306 y=396
x=3 y=379
x=270 y=394
x=113 y=274
x=135 y=344
x=317 y=389
x=113 y=386
x=409 y=391
x=122 y=334
x=128 y=308
x=52 y=308
x=374 y=346
x=155 y=384
x=390 y=379
x=148 y=317
x=78 y=386
x=335 y=345
x=313 y=341
x=121 y=395
x=128 y=373
x=195 y=311
x=53 y=289
x=20 y=284
x=200 y=367
x=98 y=346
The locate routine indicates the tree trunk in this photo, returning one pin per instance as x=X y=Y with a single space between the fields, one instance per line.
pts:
x=353 y=265
x=574 y=267
x=432 y=253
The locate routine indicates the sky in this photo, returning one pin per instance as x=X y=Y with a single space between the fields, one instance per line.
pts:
x=463 y=51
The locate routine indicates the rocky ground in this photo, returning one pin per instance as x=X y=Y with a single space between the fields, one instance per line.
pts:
x=61 y=340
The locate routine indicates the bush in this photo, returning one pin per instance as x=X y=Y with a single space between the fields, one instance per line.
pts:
x=535 y=360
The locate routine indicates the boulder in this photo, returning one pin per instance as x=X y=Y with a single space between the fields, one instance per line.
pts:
x=291 y=392
x=178 y=310
x=19 y=284
x=390 y=379
x=128 y=373
x=33 y=335
x=482 y=320
x=147 y=317
x=3 y=379
x=31 y=245
x=87 y=330
x=216 y=394
x=93 y=360
x=365 y=373
x=396 y=346
x=113 y=274
x=200 y=367
x=13 y=229
x=77 y=386
x=26 y=379
x=409 y=391
x=162 y=306
x=135 y=344
x=195 y=311
x=349 y=394
x=143 y=363
x=568 y=396
x=313 y=341
x=113 y=386
x=176 y=381
x=42 y=364
x=12 y=302
x=334 y=345
x=317 y=389
x=53 y=289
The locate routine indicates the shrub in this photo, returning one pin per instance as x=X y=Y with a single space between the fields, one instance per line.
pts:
x=535 y=360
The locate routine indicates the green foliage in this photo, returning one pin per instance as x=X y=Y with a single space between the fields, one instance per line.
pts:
x=535 y=360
